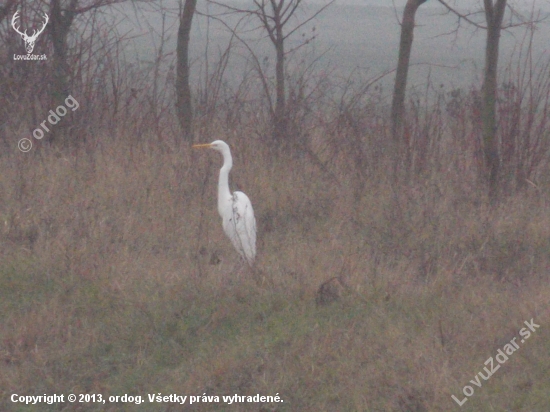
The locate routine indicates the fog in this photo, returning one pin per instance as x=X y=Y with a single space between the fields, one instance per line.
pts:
x=351 y=37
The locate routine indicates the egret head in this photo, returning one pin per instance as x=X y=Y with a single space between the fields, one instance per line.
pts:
x=218 y=145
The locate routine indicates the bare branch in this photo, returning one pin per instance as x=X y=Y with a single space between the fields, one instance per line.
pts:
x=463 y=16
x=263 y=77
x=310 y=18
x=490 y=15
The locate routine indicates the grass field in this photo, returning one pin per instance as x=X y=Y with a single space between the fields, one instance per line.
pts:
x=116 y=278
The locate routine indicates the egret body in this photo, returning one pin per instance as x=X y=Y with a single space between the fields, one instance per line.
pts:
x=239 y=223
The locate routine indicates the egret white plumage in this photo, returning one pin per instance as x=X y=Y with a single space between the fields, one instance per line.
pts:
x=239 y=223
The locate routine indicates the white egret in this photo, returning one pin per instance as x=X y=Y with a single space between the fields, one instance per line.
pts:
x=239 y=223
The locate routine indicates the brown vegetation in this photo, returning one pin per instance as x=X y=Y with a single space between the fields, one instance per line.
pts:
x=116 y=277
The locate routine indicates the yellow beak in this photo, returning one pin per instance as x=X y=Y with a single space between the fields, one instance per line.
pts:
x=202 y=146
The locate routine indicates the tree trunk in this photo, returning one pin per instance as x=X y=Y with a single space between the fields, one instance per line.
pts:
x=184 y=105
x=60 y=24
x=280 y=112
x=405 y=46
x=494 y=14
x=278 y=39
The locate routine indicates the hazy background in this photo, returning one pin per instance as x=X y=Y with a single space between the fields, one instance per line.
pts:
x=352 y=37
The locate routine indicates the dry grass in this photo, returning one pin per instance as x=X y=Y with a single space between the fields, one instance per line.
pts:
x=116 y=278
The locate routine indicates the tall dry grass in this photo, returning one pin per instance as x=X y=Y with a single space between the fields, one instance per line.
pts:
x=116 y=278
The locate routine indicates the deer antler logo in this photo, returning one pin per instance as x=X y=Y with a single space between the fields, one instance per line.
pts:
x=29 y=40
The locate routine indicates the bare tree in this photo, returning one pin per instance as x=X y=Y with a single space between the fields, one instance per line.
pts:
x=62 y=16
x=494 y=11
x=274 y=21
x=183 y=91
x=275 y=16
x=61 y=21
x=405 y=46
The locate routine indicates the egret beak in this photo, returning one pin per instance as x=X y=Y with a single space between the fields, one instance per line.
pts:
x=202 y=146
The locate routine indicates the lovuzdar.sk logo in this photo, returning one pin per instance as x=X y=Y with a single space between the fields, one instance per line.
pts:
x=29 y=40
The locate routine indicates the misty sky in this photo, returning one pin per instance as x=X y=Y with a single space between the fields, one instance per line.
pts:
x=544 y=4
x=351 y=36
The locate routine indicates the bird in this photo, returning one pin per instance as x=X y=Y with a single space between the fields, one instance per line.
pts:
x=238 y=221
